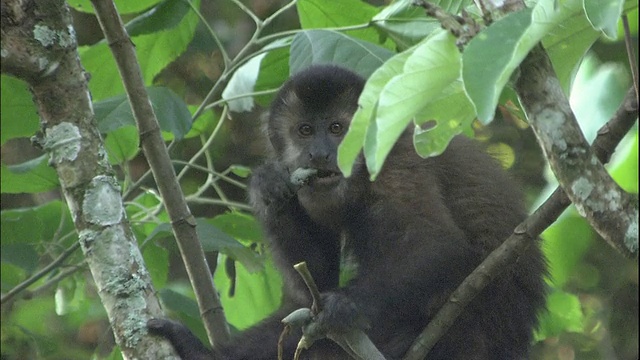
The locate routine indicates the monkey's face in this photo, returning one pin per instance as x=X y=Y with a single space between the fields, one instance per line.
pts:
x=307 y=121
x=307 y=137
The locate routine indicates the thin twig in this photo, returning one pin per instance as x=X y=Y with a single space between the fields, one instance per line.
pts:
x=633 y=65
x=37 y=276
x=303 y=270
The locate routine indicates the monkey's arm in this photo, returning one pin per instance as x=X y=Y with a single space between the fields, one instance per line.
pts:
x=404 y=271
x=290 y=232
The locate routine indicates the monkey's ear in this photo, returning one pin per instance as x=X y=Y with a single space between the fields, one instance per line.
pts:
x=264 y=128
x=291 y=99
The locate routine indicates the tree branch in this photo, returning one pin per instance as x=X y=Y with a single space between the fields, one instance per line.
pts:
x=183 y=223
x=39 y=47
x=611 y=211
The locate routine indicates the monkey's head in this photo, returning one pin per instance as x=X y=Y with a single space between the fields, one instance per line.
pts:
x=309 y=118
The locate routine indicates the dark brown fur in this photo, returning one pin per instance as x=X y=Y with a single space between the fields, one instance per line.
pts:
x=415 y=234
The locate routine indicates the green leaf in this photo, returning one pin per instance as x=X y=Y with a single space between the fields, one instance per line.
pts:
x=239 y=225
x=274 y=69
x=186 y=307
x=180 y=303
x=624 y=168
x=155 y=51
x=265 y=71
x=597 y=91
x=171 y=111
x=18 y=117
x=407 y=24
x=29 y=177
x=565 y=243
x=22 y=255
x=10 y=275
x=241 y=171
x=493 y=55
x=123 y=6
x=257 y=294
x=564 y=313
x=364 y=117
x=323 y=46
x=122 y=144
x=163 y=16
x=428 y=73
x=317 y=14
x=567 y=43
x=24 y=230
x=490 y=58
x=452 y=115
x=631 y=10
x=156 y=258
x=213 y=239
x=204 y=124
x=604 y=14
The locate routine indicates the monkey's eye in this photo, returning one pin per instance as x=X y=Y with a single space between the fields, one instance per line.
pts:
x=305 y=130
x=336 y=128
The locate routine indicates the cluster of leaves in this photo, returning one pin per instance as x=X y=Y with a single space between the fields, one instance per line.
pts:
x=416 y=74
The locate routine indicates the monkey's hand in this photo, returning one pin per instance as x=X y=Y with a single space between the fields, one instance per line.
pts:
x=187 y=345
x=341 y=321
x=271 y=183
x=340 y=314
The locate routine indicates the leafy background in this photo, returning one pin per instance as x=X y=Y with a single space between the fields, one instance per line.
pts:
x=415 y=73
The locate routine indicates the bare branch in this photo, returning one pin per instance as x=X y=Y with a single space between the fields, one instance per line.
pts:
x=611 y=211
x=183 y=223
x=39 y=47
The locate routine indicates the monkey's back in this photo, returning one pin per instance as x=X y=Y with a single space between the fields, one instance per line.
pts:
x=467 y=187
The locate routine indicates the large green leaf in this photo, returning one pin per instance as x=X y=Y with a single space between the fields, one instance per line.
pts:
x=23 y=256
x=265 y=71
x=493 y=55
x=324 y=46
x=155 y=51
x=446 y=117
x=567 y=43
x=428 y=74
x=32 y=225
x=255 y=294
x=604 y=14
x=597 y=92
x=274 y=69
x=316 y=14
x=363 y=122
x=239 y=225
x=179 y=298
x=29 y=177
x=156 y=258
x=122 y=144
x=171 y=111
x=165 y=15
x=18 y=117
x=214 y=239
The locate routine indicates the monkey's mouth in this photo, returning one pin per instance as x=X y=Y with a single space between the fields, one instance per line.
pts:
x=326 y=177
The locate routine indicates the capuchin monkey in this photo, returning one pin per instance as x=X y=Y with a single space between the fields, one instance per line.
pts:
x=414 y=234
